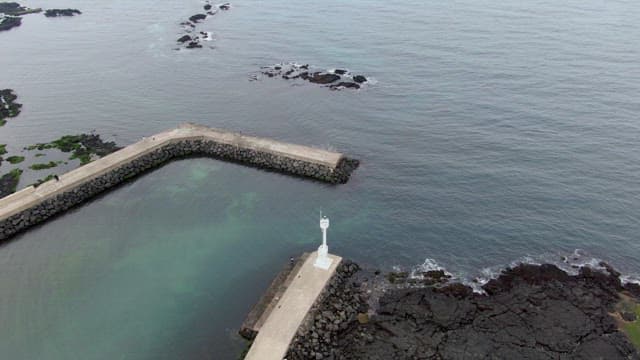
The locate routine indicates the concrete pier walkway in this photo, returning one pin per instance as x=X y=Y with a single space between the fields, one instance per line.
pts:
x=275 y=335
x=34 y=204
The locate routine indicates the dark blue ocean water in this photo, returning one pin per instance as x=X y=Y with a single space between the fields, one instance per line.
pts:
x=493 y=132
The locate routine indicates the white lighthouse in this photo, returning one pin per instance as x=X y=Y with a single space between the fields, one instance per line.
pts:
x=323 y=261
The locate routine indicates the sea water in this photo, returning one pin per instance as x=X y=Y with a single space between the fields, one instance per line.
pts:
x=494 y=132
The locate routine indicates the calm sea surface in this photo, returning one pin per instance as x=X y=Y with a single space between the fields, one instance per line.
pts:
x=495 y=131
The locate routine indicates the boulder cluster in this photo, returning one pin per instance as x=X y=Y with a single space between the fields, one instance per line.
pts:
x=334 y=79
x=256 y=158
x=528 y=312
x=192 y=39
x=62 y=12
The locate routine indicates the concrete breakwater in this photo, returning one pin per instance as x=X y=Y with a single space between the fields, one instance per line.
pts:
x=33 y=205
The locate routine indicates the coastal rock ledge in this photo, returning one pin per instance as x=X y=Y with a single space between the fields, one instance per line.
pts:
x=528 y=312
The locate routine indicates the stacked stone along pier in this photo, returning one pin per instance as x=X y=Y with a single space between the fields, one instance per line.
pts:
x=33 y=205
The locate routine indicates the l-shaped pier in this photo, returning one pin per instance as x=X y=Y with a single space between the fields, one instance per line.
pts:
x=33 y=205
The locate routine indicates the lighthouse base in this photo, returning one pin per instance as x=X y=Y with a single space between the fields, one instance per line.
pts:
x=323 y=261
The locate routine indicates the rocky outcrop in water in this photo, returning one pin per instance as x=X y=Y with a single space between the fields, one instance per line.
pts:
x=528 y=312
x=10 y=14
x=61 y=12
x=8 y=106
x=335 y=79
x=192 y=39
x=197 y=18
x=9 y=22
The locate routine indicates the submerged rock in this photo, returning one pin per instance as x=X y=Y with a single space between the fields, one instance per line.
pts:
x=61 y=12
x=344 y=85
x=9 y=182
x=193 y=45
x=81 y=146
x=225 y=6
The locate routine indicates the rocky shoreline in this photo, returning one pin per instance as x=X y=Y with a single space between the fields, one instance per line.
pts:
x=528 y=312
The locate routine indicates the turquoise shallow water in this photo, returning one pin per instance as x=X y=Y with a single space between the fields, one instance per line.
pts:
x=494 y=133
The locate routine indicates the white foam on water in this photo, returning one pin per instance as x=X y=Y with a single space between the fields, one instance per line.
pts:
x=630 y=279
x=570 y=263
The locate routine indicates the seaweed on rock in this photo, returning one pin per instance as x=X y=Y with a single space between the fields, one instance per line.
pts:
x=81 y=146
x=9 y=182
x=8 y=106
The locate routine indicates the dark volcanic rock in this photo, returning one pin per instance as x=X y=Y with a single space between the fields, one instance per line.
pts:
x=225 y=6
x=207 y=7
x=10 y=8
x=529 y=312
x=9 y=22
x=61 y=12
x=193 y=45
x=15 y=9
x=359 y=79
x=334 y=79
x=320 y=78
x=81 y=146
x=197 y=17
x=184 y=39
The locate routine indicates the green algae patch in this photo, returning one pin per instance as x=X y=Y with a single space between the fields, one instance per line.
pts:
x=632 y=328
x=49 y=165
x=627 y=315
x=8 y=107
x=15 y=159
x=81 y=147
